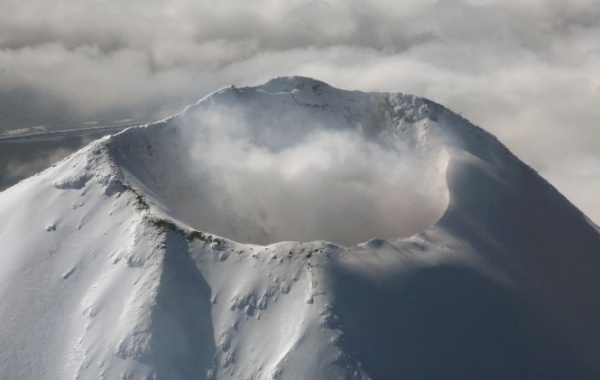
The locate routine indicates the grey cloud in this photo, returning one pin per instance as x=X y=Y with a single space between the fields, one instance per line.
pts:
x=527 y=71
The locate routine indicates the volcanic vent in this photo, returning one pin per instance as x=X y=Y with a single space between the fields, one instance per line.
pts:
x=295 y=160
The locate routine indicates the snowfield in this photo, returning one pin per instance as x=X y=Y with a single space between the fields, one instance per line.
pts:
x=297 y=231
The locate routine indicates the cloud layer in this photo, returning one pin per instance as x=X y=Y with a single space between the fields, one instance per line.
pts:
x=527 y=71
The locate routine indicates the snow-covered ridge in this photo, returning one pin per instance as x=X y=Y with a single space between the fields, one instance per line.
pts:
x=128 y=259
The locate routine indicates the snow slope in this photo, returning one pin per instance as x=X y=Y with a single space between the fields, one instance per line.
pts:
x=142 y=256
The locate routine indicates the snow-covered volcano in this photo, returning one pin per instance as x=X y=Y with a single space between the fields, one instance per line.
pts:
x=404 y=242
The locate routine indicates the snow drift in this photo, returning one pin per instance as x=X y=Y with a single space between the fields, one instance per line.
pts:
x=404 y=242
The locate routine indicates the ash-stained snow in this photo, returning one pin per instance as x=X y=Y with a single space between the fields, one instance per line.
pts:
x=404 y=243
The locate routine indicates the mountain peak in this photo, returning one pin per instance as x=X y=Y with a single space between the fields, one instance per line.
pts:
x=296 y=231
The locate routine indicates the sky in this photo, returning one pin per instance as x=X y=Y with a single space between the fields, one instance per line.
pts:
x=527 y=71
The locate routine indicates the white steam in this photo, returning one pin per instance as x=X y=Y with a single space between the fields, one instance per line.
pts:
x=263 y=180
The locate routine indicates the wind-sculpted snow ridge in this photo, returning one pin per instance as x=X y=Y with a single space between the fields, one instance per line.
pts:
x=403 y=242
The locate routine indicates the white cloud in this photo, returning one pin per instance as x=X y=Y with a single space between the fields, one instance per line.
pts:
x=527 y=71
